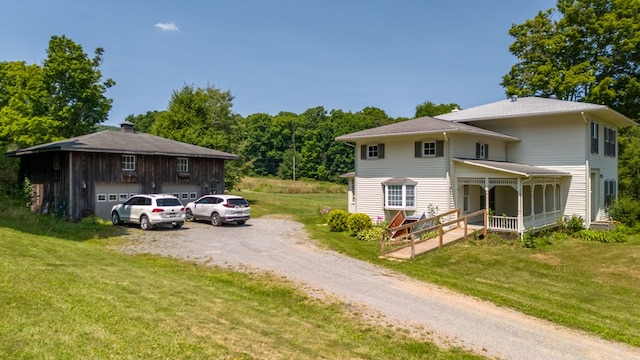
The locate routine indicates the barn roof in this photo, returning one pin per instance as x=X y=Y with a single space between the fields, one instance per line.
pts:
x=124 y=142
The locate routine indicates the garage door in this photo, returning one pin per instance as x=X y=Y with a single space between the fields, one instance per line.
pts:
x=108 y=194
x=184 y=191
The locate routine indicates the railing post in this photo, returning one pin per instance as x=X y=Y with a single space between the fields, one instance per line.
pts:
x=466 y=222
x=413 y=247
x=440 y=233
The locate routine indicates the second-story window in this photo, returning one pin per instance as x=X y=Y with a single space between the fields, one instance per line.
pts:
x=594 y=137
x=128 y=162
x=183 y=165
x=482 y=151
x=373 y=151
x=609 y=141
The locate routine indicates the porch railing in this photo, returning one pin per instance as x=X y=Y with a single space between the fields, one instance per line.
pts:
x=503 y=223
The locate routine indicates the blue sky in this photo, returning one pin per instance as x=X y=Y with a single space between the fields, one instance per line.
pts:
x=282 y=55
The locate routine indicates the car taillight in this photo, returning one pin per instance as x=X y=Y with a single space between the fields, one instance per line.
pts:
x=182 y=209
x=156 y=210
x=229 y=206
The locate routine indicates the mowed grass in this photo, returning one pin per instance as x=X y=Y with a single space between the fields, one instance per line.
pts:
x=584 y=285
x=66 y=293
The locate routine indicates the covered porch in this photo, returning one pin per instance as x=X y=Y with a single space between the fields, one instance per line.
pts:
x=518 y=198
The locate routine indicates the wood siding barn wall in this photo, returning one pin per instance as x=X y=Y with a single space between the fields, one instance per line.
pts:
x=80 y=171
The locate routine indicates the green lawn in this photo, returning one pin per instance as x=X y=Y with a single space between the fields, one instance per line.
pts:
x=65 y=293
x=584 y=285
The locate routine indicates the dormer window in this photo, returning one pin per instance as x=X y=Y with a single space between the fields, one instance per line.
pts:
x=482 y=151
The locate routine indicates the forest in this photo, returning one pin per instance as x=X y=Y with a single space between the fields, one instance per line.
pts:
x=581 y=50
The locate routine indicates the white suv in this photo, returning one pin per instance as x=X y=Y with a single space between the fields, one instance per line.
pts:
x=219 y=209
x=149 y=210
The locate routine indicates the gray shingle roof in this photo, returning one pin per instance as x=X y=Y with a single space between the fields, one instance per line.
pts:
x=513 y=168
x=528 y=106
x=421 y=126
x=110 y=141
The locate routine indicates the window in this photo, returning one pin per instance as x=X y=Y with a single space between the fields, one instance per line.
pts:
x=374 y=151
x=193 y=195
x=609 y=141
x=429 y=148
x=128 y=162
x=183 y=165
x=113 y=197
x=609 y=192
x=123 y=196
x=102 y=197
x=482 y=151
x=400 y=193
x=594 y=137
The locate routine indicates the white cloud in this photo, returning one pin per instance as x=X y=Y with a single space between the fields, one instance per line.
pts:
x=170 y=26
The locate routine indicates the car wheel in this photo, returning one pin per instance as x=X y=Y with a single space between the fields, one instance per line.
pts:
x=241 y=222
x=215 y=219
x=189 y=215
x=177 y=226
x=115 y=218
x=144 y=223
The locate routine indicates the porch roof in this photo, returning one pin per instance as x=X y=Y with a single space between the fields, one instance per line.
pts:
x=512 y=168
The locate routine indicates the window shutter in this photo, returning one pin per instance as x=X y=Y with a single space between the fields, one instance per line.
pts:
x=486 y=151
x=418 y=149
x=439 y=148
x=612 y=142
x=363 y=152
x=477 y=150
x=380 y=151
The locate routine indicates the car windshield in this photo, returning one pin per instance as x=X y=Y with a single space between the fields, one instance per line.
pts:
x=168 y=202
x=238 y=202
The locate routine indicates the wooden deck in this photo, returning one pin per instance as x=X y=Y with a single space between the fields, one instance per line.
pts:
x=448 y=237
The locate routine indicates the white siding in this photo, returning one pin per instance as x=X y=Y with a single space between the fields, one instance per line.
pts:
x=545 y=141
x=400 y=161
x=429 y=192
x=464 y=146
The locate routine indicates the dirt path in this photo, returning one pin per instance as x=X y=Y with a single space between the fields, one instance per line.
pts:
x=280 y=246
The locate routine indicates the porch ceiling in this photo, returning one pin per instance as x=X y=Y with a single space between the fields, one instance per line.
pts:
x=512 y=168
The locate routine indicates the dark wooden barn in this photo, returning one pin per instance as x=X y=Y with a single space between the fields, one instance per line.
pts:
x=89 y=174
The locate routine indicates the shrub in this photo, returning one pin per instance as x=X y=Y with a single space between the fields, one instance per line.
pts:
x=337 y=220
x=625 y=210
x=574 y=224
x=373 y=233
x=608 y=237
x=358 y=222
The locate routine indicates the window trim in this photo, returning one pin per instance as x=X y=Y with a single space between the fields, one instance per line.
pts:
x=408 y=193
x=366 y=149
x=482 y=151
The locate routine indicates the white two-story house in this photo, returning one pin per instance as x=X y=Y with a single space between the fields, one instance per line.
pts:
x=529 y=161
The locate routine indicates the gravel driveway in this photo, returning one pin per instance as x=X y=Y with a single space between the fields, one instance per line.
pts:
x=281 y=246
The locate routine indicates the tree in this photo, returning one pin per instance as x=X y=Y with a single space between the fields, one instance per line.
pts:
x=586 y=50
x=429 y=108
x=61 y=99
x=73 y=81
x=143 y=122
x=203 y=116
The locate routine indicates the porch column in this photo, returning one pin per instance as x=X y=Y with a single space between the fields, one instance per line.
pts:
x=486 y=201
x=520 y=208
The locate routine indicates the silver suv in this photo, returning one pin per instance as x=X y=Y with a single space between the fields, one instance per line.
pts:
x=149 y=211
x=219 y=209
